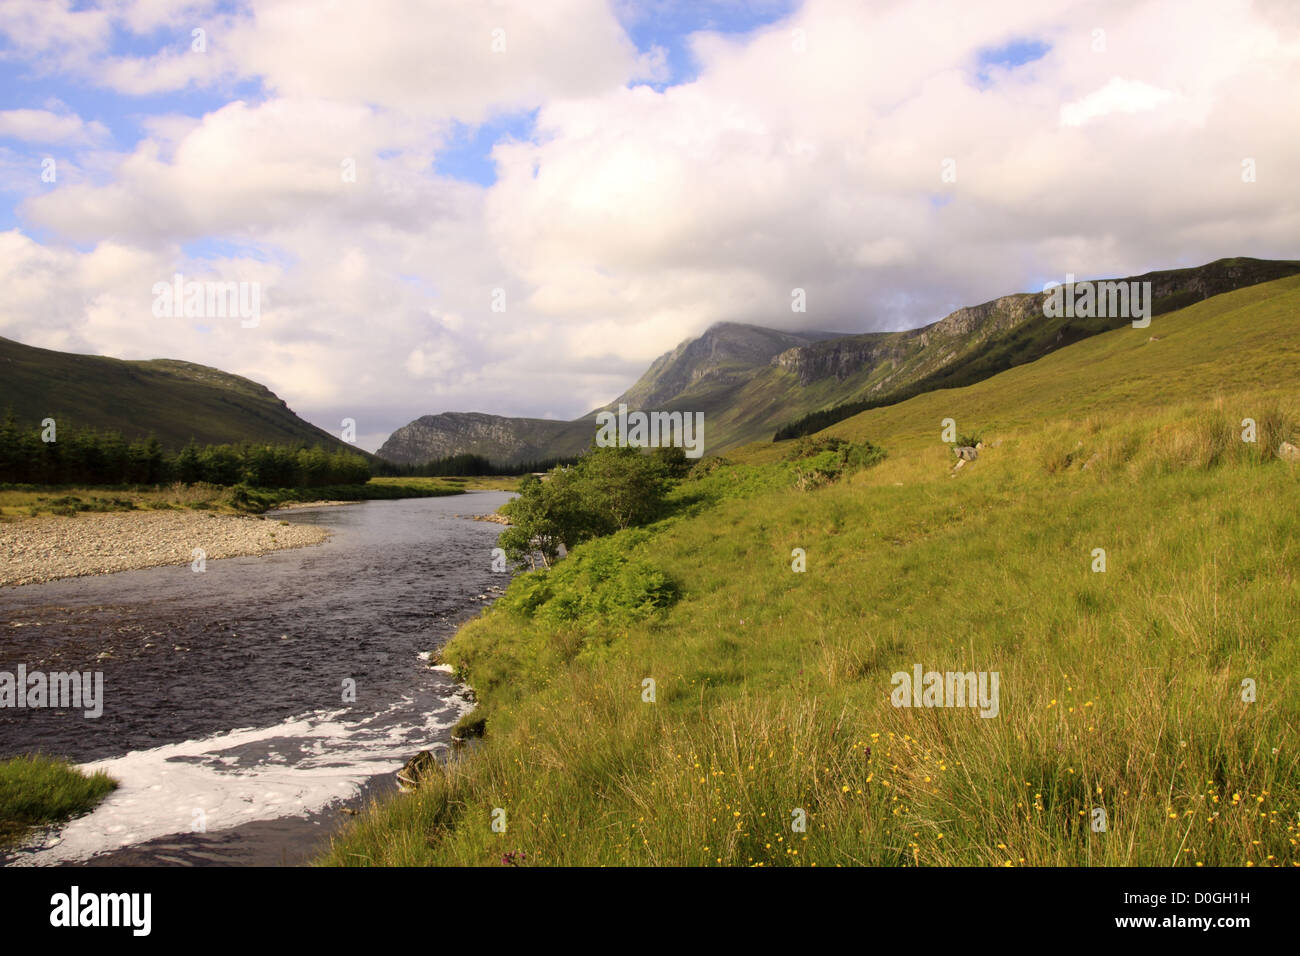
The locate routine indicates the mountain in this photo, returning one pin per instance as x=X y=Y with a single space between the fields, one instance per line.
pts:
x=974 y=343
x=173 y=400
x=751 y=382
x=702 y=374
x=495 y=437
x=719 y=361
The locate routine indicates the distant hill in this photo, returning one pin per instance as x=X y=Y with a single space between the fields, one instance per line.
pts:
x=500 y=440
x=173 y=400
x=752 y=382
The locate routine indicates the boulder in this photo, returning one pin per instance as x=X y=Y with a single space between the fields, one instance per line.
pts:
x=966 y=453
x=1288 y=452
x=419 y=766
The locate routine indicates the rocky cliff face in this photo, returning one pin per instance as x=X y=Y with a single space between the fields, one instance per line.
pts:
x=999 y=315
x=931 y=347
x=839 y=359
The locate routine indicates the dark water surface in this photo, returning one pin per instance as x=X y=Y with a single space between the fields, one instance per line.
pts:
x=224 y=716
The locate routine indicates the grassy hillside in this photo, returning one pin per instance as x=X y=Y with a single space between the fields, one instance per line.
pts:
x=175 y=401
x=1119 y=690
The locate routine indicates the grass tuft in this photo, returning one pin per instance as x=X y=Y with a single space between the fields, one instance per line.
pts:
x=36 y=790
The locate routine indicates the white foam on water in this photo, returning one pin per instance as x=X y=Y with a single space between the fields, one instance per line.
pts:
x=291 y=769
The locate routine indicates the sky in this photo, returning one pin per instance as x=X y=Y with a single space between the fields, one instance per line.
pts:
x=514 y=206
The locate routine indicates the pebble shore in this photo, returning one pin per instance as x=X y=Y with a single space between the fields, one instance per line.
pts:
x=33 y=550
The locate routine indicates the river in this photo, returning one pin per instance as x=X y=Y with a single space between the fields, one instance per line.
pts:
x=226 y=718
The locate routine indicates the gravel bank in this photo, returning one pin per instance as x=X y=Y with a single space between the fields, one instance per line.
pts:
x=43 y=549
x=494 y=517
x=292 y=505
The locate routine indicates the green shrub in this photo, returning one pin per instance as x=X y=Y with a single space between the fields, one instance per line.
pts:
x=245 y=498
x=708 y=466
x=608 y=490
x=672 y=461
x=813 y=446
x=820 y=461
x=604 y=580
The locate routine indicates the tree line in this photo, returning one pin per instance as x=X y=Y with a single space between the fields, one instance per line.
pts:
x=467 y=465
x=89 y=457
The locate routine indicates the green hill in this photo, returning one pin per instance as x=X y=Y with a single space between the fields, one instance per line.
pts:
x=173 y=400
x=1123 y=690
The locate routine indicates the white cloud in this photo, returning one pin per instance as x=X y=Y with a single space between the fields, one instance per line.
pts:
x=1117 y=96
x=433 y=60
x=48 y=127
x=635 y=217
x=882 y=252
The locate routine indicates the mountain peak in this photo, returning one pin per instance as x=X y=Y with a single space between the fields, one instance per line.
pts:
x=715 y=358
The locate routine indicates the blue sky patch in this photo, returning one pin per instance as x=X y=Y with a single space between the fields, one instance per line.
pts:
x=468 y=153
x=1008 y=56
x=669 y=25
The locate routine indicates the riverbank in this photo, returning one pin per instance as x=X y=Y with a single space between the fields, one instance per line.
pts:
x=34 y=550
x=296 y=505
x=222 y=691
x=33 y=501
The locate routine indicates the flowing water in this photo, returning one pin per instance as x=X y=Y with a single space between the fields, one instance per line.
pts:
x=225 y=715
